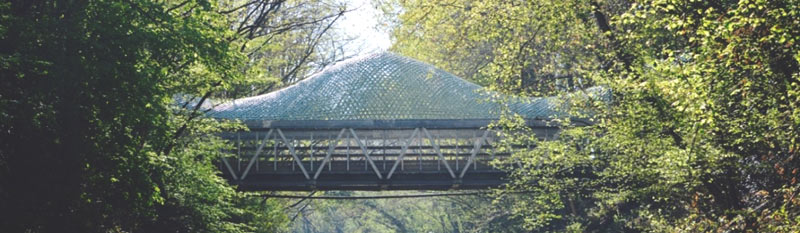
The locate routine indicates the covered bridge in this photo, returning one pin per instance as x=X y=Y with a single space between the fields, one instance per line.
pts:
x=378 y=122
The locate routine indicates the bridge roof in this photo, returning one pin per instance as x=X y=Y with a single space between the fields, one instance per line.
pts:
x=379 y=87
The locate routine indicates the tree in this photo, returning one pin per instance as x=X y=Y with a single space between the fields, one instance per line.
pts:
x=700 y=132
x=432 y=214
x=284 y=41
x=525 y=48
x=91 y=137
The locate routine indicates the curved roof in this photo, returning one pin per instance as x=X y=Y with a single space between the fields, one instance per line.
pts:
x=382 y=86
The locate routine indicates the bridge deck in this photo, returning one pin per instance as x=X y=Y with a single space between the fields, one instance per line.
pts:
x=411 y=175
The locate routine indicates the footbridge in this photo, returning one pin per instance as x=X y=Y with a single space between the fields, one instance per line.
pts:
x=378 y=122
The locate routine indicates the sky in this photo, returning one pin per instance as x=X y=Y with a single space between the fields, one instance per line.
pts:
x=362 y=23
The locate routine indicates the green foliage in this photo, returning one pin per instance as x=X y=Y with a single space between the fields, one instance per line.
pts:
x=436 y=214
x=532 y=47
x=701 y=133
x=91 y=139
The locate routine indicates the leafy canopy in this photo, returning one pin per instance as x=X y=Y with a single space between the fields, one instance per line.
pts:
x=701 y=133
x=91 y=136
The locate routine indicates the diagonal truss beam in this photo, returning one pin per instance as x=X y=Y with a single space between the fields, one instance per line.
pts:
x=230 y=169
x=327 y=158
x=402 y=153
x=255 y=156
x=475 y=150
x=366 y=154
x=439 y=153
x=294 y=154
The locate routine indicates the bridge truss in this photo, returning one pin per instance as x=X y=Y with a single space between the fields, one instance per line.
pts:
x=367 y=156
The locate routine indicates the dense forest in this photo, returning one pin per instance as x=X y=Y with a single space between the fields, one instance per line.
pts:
x=102 y=125
x=702 y=130
x=100 y=108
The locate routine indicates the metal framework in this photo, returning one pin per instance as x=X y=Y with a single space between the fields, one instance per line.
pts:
x=377 y=122
x=366 y=158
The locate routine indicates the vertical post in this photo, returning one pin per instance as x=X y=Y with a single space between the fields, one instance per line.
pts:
x=287 y=145
x=348 y=151
x=384 y=150
x=419 y=151
x=238 y=162
x=256 y=157
x=330 y=168
x=435 y=141
x=311 y=147
x=275 y=152
x=475 y=163
x=402 y=161
x=457 y=155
